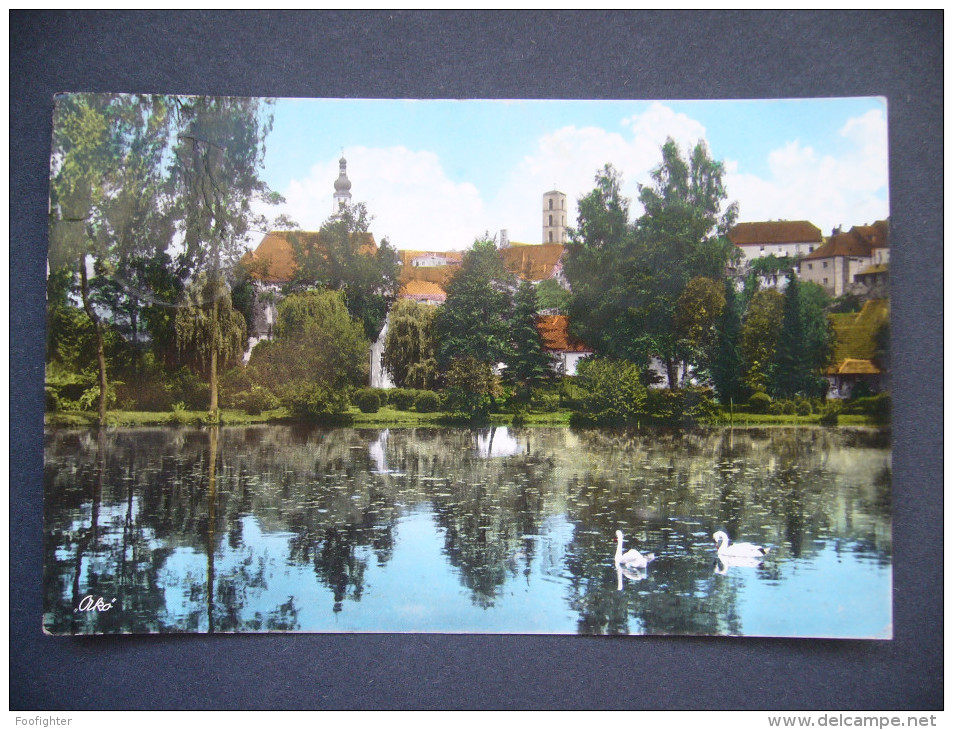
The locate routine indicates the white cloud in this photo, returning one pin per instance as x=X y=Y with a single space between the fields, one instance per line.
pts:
x=412 y=200
x=846 y=188
x=416 y=203
x=569 y=158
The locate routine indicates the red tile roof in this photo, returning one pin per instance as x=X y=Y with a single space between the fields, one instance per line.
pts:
x=768 y=232
x=554 y=329
x=274 y=259
x=532 y=262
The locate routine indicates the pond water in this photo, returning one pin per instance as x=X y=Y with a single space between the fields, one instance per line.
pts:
x=294 y=528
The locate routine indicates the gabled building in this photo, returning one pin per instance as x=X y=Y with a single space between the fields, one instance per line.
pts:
x=273 y=264
x=566 y=349
x=845 y=256
x=778 y=238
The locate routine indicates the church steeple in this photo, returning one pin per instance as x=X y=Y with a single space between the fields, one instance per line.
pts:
x=342 y=188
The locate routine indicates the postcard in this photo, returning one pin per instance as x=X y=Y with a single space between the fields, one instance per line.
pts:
x=482 y=366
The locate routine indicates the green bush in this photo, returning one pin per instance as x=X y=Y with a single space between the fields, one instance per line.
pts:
x=545 y=402
x=616 y=395
x=875 y=406
x=830 y=413
x=427 y=402
x=367 y=400
x=804 y=407
x=759 y=402
x=314 y=401
x=402 y=398
x=255 y=400
x=383 y=394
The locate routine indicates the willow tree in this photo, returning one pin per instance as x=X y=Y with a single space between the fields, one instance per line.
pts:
x=410 y=347
x=107 y=203
x=218 y=156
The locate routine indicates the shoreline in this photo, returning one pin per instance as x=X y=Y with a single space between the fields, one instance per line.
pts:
x=390 y=418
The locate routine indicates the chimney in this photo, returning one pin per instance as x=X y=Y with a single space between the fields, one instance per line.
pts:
x=504 y=238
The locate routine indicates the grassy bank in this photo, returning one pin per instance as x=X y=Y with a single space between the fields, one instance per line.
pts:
x=388 y=417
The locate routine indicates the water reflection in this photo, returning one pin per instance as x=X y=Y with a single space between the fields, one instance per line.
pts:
x=293 y=528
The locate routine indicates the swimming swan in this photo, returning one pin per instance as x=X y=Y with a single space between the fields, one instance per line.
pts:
x=739 y=549
x=630 y=558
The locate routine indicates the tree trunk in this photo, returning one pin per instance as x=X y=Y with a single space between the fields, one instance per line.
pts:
x=671 y=370
x=213 y=366
x=100 y=345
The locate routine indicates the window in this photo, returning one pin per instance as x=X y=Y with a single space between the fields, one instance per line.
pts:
x=550 y=236
x=810 y=267
x=810 y=249
x=825 y=264
x=550 y=217
x=825 y=279
x=550 y=205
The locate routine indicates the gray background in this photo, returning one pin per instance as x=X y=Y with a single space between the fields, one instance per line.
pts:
x=616 y=55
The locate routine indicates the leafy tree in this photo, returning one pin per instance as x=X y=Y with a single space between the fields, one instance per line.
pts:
x=627 y=279
x=616 y=395
x=106 y=203
x=683 y=235
x=410 y=348
x=342 y=260
x=759 y=337
x=550 y=295
x=218 y=156
x=473 y=321
x=210 y=338
x=318 y=355
x=528 y=364
x=471 y=388
x=697 y=312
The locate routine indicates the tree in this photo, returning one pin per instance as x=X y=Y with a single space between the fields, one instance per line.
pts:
x=471 y=388
x=759 y=337
x=473 y=321
x=697 y=312
x=626 y=279
x=601 y=265
x=615 y=393
x=528 y=364
x=218 y=155
x=343 y=259
x=683 y=235
x=805 y=343
x=106 y=205
x=551 y=295
x=410 y=348
x=318 y=355
x=727 y=366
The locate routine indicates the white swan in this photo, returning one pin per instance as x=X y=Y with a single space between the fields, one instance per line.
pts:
x=630 y=558
x=737 y=550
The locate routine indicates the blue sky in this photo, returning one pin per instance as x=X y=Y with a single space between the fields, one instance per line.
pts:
x=437 y=174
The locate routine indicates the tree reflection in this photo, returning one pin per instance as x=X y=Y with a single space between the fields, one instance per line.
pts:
x=198 y=530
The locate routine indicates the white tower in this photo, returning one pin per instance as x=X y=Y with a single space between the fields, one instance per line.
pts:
x=554 y=217
x=342 y=188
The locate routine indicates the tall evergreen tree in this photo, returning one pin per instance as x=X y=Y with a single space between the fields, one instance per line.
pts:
x=728 y=366
x=528 y=364
x=791 y=367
